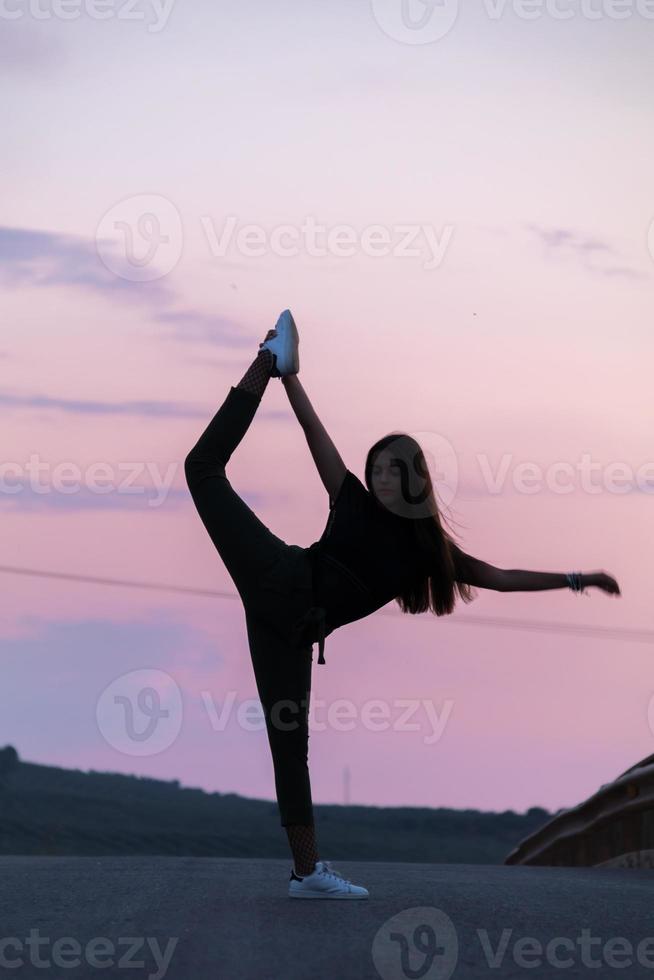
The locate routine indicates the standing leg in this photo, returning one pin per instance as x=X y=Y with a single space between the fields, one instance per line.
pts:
x=283 y=677
x=303 y=847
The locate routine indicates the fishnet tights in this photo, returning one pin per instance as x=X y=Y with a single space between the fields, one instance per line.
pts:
x=258 y=374
x=303 y=845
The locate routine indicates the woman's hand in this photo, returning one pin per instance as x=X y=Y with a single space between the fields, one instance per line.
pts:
x=602 y=581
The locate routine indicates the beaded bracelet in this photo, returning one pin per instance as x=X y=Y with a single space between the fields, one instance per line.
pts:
x=574 y=582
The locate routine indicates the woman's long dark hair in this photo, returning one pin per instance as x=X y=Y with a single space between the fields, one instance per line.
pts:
x=436 y=591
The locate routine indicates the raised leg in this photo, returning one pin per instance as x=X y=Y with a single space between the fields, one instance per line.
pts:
x=247 y=547
x=257 y=376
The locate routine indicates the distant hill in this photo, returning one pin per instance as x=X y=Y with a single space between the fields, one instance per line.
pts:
x=48 y=810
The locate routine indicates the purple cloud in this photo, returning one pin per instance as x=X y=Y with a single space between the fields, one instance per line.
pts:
x=152 y=409
x=131 y=409
x=43 y=258
x=564 y=239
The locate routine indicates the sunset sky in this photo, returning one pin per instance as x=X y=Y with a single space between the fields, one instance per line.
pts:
x=482 y=280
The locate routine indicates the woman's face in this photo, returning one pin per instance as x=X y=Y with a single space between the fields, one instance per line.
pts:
x=385 y=478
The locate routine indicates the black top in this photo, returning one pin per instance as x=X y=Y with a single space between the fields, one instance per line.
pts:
x=365 y=557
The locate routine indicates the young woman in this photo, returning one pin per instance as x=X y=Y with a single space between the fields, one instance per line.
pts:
x=382 y=541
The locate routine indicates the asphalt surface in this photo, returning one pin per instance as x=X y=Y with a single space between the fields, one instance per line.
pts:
x=231 y=919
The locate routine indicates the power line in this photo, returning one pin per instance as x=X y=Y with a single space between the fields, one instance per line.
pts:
x=535 y=625
x=496 y=622
x=161 y=586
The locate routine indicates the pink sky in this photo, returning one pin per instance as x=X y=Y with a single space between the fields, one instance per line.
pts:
x=523 y=147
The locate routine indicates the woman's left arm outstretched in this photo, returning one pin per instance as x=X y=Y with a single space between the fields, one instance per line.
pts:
x=481 y=574
x=518 y=580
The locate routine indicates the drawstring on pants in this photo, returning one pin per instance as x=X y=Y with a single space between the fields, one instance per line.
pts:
x=315 y=616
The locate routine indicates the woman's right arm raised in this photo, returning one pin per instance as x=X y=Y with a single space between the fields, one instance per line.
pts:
x=329 y=464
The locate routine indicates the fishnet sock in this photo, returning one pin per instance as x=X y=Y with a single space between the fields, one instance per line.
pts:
x=258 y=374
x=303 y=845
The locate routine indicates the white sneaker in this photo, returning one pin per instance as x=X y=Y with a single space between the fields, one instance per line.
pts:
x=284 y=346
x=324 y=882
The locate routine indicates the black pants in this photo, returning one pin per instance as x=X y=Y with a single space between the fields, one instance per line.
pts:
x=273 y=580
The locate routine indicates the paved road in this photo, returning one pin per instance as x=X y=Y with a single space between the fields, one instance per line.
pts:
x=229 y=919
